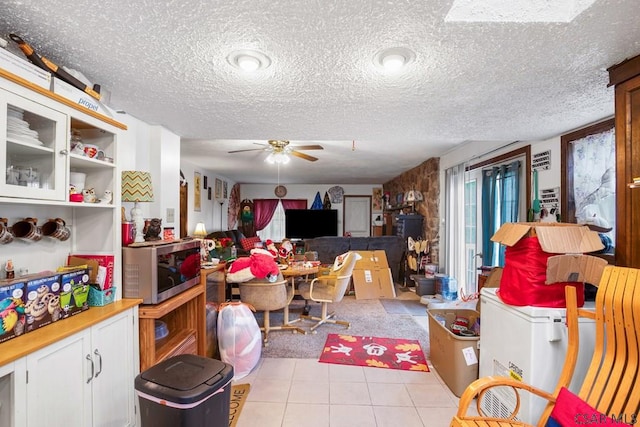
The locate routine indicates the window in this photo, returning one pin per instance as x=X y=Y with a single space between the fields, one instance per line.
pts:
x=470 y=228
x=588 y=158
x=275 y=229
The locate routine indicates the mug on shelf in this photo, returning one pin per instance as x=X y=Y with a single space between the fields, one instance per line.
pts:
x=56 y=228
x=27 y=229
x=91 y=150
x=6 y=235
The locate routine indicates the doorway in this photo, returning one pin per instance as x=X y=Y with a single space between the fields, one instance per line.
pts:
x=357 y=216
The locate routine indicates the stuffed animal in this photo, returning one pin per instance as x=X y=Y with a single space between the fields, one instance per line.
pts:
x=286 y=250
x=259 y=265
x=271 y=248
x=89 y=195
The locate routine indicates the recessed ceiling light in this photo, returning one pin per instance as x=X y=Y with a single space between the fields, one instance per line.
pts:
x=393 y=59
x=248 y=60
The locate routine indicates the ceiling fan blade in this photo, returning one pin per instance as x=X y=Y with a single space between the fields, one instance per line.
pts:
x=264 y=146
x=303 y=156
x=249 y=149
x=308 y=147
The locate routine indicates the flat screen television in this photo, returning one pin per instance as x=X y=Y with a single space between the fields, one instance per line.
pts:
x=310 y=223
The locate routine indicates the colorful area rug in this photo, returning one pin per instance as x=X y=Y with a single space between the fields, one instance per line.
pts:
x=239 y=393
x=377 y=352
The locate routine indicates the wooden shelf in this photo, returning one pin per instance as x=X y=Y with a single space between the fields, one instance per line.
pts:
x=185 y=317
x=175 y=343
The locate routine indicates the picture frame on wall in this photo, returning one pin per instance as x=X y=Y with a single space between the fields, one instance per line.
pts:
x=376 y=199
x=209 y=193
x=197 y=178
x=204 y=183
x=218 y=188
x=224 y=190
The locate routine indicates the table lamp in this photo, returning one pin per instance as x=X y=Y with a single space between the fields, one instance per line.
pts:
x=136 y=187
x=413 y=196
x=200 y=232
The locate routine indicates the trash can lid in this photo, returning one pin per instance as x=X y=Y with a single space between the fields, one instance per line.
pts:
x=184 y=378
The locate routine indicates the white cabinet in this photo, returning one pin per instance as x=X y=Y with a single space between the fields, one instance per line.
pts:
x=85 y=379
x=33 y=137
x=35 y=149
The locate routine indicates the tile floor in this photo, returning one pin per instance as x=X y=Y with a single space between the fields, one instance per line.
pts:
x=304 y=392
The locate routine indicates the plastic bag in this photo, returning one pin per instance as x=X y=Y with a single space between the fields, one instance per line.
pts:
x=239 y=338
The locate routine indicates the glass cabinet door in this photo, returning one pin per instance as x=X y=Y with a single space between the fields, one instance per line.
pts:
x=32 y=149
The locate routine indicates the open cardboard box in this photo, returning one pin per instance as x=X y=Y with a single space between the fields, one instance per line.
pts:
x=569 y=241
x=372 y=277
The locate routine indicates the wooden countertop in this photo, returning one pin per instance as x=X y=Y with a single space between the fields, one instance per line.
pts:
x=26 y=344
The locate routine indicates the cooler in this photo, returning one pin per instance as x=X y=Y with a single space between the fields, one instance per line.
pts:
x=185 y=391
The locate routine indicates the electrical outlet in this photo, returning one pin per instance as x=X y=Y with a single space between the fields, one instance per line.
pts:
x=171 y=215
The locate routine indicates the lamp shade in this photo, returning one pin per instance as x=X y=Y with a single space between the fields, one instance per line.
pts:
x=136 y=186
x=413 y=196
x=200 y=231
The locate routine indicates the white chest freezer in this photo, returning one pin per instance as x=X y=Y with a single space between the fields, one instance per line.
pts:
x=528 y=344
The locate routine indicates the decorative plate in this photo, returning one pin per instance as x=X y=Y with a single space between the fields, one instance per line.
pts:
x=280 y=191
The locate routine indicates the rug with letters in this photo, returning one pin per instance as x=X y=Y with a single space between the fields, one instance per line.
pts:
x=390 y=353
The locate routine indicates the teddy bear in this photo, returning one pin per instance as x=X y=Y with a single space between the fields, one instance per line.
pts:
x=260 y=264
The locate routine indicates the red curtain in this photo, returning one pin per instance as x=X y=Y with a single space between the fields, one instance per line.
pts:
x=263 y=210
x=294 y=204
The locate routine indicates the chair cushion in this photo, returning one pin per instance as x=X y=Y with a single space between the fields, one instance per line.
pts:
x=249 y=243
x=571 y=410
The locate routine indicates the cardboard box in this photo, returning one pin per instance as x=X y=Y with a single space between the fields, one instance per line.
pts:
x=13 y=319
x=74 y=291
x=372 y=277
x=42 y=305
x=25 y=69
x=371 y=260
x=74 y=94
x=571 y=240
x=454 y=357
x=101 y=265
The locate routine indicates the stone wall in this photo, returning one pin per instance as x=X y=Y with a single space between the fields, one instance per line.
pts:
x=426 y=179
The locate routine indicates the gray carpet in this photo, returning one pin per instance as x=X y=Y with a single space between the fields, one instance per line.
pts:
x=367 y=317
x=404 y=306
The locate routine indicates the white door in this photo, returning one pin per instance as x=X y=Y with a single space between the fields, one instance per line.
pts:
x=357 y=216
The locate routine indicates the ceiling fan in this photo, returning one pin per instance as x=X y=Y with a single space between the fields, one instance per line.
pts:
x=278 y=148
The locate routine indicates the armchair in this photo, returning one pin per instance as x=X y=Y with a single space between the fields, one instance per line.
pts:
x=329 y=289
x=611 y=387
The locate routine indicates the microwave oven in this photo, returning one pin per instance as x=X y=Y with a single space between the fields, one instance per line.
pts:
x=158 y=272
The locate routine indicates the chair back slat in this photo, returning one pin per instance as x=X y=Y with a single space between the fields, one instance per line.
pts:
x=611 y=383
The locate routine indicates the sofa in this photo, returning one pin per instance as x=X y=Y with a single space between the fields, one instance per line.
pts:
x=329 y=247
x=235 y=235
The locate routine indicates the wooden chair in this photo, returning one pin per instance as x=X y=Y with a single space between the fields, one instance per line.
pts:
x=612 y=382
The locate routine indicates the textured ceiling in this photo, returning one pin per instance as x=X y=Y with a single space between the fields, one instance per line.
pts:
x=164 y=62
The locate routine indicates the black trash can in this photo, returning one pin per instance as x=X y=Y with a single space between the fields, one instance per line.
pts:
x=185 y=391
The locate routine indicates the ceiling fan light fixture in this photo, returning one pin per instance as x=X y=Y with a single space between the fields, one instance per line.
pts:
x=277 y=158
x=248 y=60
x=394 y=59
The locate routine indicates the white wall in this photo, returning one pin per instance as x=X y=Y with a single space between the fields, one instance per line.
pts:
x=156 y=150
x=306 y=191
x=212 y=214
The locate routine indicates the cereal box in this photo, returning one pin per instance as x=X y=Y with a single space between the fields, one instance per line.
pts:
x=74 y=292
x=42 y=305
x=12 y=309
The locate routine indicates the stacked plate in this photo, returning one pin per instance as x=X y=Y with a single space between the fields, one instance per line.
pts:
x=18 y=129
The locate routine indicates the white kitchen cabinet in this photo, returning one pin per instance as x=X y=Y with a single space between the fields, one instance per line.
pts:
x=33 y=137
x=85 y=379
x=39 y=164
